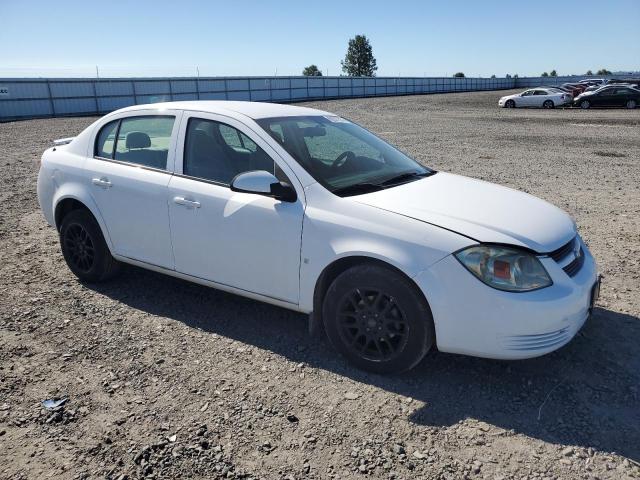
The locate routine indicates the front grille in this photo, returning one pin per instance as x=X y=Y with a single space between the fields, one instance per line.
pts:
x=563 y=251
x=574 y=266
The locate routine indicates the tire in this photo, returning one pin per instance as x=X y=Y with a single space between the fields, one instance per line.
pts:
x=585 y=104
x=631 y=104
x=548 y=104
x=84 y=248
x=510 y=104
x=357 y=303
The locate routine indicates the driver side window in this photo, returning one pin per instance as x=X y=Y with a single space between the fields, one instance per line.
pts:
x=218 y=152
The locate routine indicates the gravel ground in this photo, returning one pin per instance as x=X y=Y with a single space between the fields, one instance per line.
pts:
x=166 y=379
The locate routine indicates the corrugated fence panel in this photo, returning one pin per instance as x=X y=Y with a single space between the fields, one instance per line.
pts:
x=28 y=98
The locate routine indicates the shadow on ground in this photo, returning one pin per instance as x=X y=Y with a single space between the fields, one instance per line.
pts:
x=585 y=394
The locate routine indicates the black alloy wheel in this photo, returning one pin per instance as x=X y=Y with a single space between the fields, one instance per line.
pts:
x=372 y=324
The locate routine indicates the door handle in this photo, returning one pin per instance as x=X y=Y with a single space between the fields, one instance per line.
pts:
x=101 y=182
x=185 y=202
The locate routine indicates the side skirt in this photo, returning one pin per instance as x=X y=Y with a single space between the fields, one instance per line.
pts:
x=208 y=283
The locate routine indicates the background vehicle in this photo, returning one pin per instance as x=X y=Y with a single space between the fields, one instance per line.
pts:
x=576 y=88
x=536 y=97
x=609 y=96
x=592 y=81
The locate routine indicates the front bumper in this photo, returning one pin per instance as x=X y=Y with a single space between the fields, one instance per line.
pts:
x=472 y=318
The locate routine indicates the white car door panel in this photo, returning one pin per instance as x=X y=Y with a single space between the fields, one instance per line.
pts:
x=132 y=198
x=246 y=241
x=243 y=240
x=133 y=204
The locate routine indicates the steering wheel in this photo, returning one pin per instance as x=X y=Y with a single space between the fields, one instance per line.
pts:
x=342 y=159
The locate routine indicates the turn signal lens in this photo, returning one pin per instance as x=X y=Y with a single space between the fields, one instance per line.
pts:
x=505 y=268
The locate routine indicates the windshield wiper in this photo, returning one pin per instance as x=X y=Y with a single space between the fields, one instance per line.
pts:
x=406 y=176
x=357 y=189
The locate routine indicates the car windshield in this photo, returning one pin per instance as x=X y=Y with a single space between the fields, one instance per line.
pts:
x=342 y=156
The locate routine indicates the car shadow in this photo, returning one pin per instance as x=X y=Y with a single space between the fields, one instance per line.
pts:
x=585 y=394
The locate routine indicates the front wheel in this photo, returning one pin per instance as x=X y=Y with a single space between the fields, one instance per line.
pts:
x=378 y=319
x=510 y=104
x=84 y=248
x=548 y=104
x=585 y=104
x=631 y=104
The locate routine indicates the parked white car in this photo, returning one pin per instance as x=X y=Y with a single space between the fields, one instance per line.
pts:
x=536 y=97
x=306 y=210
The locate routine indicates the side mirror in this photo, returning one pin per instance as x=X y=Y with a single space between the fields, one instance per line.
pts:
x=264 y=183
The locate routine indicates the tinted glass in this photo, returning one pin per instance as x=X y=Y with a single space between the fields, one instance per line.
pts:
x=339 y=154
x=106 y=140
x=540 y=92
x=145 y=141
x=218 y=152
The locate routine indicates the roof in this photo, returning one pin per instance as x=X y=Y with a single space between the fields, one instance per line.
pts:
x=253 y=110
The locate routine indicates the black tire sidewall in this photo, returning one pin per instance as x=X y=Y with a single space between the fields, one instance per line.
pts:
x=407 y=297
x=103 y=260
x=548 y=104
x=510 y=104
x=586 y=104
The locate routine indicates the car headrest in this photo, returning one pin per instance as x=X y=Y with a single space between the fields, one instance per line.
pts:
x=137 y=140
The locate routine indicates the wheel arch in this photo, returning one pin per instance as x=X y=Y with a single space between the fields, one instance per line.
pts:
x=73 y=198
x=340 y=265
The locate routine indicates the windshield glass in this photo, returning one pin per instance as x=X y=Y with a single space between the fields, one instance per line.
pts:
x=342 y=156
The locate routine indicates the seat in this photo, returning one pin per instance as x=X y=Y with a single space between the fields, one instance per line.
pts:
x=137 y=140
x=206 y=159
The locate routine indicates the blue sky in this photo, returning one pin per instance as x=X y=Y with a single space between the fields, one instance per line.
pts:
x=238 y=37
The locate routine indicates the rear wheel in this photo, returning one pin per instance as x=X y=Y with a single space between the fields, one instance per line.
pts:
x=631 y=104
x=377 y=319
x=84 y=248
x=510 y=104
x=548 y=104
x=584 y=104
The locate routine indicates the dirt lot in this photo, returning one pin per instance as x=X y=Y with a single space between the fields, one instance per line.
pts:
x=167 y=379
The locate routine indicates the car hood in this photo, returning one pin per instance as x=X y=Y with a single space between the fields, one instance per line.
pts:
x=483 y=211
x=507 y=97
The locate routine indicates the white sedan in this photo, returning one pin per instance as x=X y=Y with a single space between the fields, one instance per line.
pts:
x=306 y=210
x=536 y=97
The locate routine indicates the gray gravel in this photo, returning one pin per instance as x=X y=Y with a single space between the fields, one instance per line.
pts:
x=167 y=379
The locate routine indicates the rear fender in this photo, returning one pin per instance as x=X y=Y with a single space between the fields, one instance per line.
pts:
x=77 y=192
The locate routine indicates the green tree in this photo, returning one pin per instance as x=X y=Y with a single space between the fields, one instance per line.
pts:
x=544 y=74
x=311 y=71
x=603 y=71
x=589 y=72
x=507 y=75
x=359 y=60
x=459 y=75
x=493 y=76
x=553 y=73
x=515 y=75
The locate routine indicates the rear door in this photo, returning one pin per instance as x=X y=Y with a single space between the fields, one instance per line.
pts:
x=605 y=98
x=128 y=177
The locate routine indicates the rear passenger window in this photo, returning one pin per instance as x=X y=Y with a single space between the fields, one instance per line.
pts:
x=106 y=140
x=144 y=141
x=218 y=152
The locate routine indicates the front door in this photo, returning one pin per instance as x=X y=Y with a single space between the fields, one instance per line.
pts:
x=247 y=241
x=128 y=176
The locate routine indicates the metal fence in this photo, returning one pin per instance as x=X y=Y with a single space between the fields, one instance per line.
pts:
x=48 y=97
x=30 y=98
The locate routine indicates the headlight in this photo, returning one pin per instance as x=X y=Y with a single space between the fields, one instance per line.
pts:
x=505 y=268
